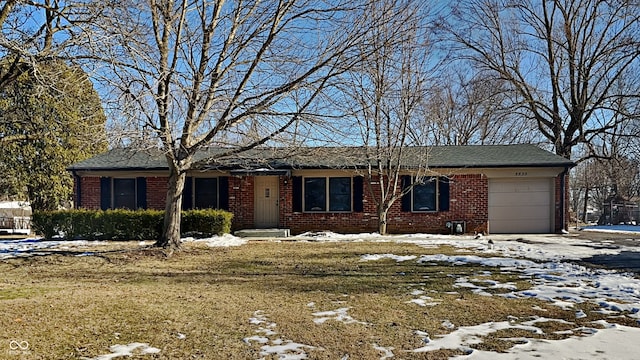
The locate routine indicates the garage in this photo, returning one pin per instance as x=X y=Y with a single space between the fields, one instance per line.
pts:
x=520 y=205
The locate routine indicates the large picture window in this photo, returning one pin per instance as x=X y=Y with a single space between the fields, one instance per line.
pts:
x=123 y=193
x=206 y=193
x=327 y=194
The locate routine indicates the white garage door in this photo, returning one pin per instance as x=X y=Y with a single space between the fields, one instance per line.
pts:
x=520 y=205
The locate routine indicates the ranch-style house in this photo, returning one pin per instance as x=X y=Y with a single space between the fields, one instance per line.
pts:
x=492 y=189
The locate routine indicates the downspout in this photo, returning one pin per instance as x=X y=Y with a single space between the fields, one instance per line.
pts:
x=78 y=189
x=563 y=198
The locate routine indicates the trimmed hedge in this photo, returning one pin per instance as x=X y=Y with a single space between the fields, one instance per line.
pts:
x=125 y=224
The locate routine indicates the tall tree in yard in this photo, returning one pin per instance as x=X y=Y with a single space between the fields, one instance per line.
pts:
x=563 y=59
x=234 y=74
x=384 y=95
x=51 y=118
x=35 y=31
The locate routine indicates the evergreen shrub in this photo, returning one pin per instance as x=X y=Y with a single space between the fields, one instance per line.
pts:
x=121 y=224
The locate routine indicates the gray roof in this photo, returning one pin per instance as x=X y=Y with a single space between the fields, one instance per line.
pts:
x=471 y=156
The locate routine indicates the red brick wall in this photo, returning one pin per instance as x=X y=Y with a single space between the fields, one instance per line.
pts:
x=468 y=202
x=241 y=201
x=157 y=192
x=89 y=192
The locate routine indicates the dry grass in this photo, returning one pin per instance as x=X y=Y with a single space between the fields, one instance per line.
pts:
x=70 y=307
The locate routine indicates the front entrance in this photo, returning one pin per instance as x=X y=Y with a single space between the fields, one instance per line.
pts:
x=266 y=195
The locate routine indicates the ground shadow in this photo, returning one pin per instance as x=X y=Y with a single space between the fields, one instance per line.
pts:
x=625 y=260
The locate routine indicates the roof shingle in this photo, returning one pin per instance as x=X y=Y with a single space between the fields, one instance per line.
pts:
x=470 y=156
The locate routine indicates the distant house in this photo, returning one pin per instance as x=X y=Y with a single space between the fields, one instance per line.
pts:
x=15 y=217
x=497 y=189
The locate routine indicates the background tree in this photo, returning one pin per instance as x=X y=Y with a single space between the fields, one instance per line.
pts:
x=563 y=60
x=32 y=31
x=470 y=109
x=230 y=74
x=50 y=127
x=383 y=96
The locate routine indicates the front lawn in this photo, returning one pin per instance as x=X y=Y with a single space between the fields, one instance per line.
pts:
x=267 y=300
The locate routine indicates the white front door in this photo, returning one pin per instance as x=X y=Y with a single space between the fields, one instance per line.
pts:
x=266 y=201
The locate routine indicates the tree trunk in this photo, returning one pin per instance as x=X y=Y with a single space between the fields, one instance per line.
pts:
x=170 y=237
x=585 y=205
x=382 y=219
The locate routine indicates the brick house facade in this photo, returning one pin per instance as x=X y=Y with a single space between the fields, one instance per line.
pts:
x=303 y=198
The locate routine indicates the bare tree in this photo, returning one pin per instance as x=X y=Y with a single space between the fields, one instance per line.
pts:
x=230 y=74
x=36 y=34
x=385 y=94
x=562 y=58
x=470 y=111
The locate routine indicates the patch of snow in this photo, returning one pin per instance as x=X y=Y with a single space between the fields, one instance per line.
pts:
x=133 y=349
x=386 y=351
x=448 y=325
x=613 y=342
x=339 y=315
x=623 y=229
x=37 y=246
x=397 y=258
x=284 y=349
x=470 y=335
x=225 y=240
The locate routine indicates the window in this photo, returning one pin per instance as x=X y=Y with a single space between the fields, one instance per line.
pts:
x=429 y=196
x=424 y=196
x=322 y=193
x=340 y=194
x=124 y=193
x=205 y=193
x=315 y=194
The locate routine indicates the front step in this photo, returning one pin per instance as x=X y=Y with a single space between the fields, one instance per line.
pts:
x=263 y=233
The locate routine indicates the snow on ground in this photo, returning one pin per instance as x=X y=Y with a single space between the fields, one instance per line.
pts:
x=127 y=350
x=218 y=241
x=624 y=229
x=545 y=259
x=270 y=343
x=31 y=247
x=12 y=248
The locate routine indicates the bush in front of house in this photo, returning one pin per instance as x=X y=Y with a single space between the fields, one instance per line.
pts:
x=206 y=222
x=123 y=224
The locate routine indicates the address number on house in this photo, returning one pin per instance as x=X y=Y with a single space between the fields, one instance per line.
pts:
x=521 y=173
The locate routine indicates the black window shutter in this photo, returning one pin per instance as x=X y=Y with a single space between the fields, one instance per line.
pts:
x=405 y=180
x=141 y=193
x=443 y=195
x=105 y=193
x=187 y=194
x=358 y=192
x=223 y=192
x=296 y=182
